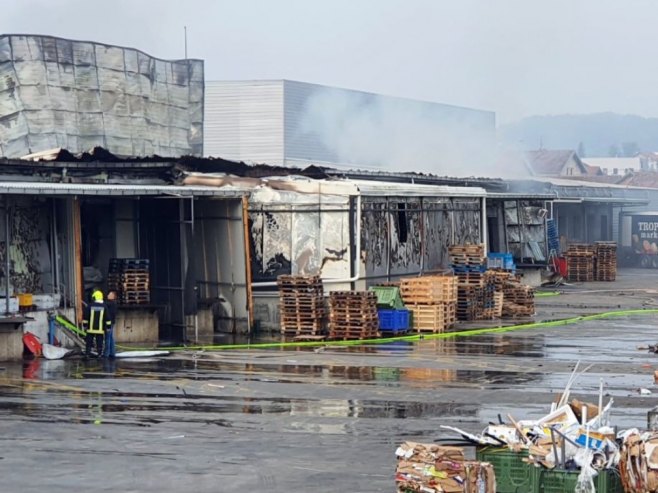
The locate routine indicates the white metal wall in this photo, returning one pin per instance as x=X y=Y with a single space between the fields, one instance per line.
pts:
x=294 y=123
x=244 y=121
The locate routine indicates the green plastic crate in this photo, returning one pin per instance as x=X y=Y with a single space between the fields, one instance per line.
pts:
x=558 y=481
x=388 y=297
x=512 y=474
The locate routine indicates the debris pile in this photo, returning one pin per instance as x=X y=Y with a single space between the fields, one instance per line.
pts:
x=606 y=260
x=574 y=439
x=580 y=262
x=638 y=464
x=431 y=300
x=353 y=315
x=431 y=468
x=301 y=305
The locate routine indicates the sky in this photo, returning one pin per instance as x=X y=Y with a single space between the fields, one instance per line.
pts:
x=515 y=57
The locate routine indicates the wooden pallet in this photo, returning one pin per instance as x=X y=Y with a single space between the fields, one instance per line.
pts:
x=475 y=250
x=471 y=279
x=606 y=261
x=429 y=290
x=433 y=318
x=513 y=310
x=301 y=305
x=353 y=315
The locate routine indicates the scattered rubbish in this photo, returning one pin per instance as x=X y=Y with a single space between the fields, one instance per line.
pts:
x=434 y=468
x=573 y=446
x=638 y=463
x=644 y=391
x=215 y=385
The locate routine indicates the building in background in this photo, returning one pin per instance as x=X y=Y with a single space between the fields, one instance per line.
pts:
x=78 y=95
x=549 y=162
x=291 y=123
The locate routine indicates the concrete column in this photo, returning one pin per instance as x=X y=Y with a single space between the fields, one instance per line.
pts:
x=652 y=419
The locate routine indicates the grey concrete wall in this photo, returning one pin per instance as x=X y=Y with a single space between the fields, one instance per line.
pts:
x=11 y=344
x=137 y=325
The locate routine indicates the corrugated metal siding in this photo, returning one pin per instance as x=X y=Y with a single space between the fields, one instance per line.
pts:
x=75 y=94
x=301 y=145
x=244 y=121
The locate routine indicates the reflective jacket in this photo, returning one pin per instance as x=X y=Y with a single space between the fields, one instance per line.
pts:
x=96 y=319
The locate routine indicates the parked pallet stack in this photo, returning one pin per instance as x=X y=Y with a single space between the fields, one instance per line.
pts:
x=606 y=260
x=511 y=298
x=301 y=305
x=518 y=300
x=131 y=280
x=432 y=302
x=580 y=262
x=353 y=315
x=489 y=310
x=469 y=263
x=467 y=258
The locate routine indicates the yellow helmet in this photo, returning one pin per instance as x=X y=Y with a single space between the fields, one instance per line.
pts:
x=97 y=295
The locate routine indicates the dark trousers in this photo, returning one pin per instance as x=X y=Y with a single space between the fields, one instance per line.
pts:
x=94 y=340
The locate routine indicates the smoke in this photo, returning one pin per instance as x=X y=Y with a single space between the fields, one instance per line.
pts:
x=362 y=130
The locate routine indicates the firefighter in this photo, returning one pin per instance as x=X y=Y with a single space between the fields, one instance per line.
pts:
x=95 y=322
x=111 y=314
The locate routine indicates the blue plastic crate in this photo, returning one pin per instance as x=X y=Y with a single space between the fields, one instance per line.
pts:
x=501 y=261
x=393 y=320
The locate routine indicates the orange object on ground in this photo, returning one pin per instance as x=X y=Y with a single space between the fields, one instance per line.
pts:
x=32 y=343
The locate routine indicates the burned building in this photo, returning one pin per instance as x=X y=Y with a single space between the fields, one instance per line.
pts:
x=77 y=95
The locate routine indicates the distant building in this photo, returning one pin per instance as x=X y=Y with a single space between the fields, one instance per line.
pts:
x=293 y=123
x=77 y=95
x=618 y=166
x=649 y=161
x=546 y=162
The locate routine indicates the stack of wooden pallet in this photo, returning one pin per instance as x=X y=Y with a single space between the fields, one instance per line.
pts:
x=301 y=305
x=469 y=264
x=130 y=279
x=606 y=260
x=518 y=300
x=490 y=309
x=511 y=297
x=353 y=315
x=580 y=262
x=431 y=300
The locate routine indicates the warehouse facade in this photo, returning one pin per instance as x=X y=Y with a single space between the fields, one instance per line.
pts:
x=290 y=123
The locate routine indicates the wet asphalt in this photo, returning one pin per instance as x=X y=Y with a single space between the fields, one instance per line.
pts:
x=321 y=420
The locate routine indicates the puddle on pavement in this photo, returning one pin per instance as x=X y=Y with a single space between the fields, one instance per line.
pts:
x=291 y=372
x=161 y=407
